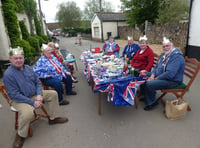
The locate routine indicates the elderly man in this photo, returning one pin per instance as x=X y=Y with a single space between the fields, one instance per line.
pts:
x=168 y=73
x=26 y=94
x=130 y=49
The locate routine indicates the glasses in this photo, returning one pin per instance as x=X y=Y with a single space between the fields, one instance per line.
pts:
x=166 y=46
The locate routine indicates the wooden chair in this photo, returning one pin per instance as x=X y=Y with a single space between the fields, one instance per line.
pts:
x=37 y=115
x=64 y=53
x=156 y=58
x=192 y=68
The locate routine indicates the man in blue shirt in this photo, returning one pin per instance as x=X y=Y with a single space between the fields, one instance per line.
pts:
x=26 y=94
x=130 y=49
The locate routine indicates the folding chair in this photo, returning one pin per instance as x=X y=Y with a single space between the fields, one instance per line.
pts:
x=192 y=68
x=37 y=115
x=64 y=53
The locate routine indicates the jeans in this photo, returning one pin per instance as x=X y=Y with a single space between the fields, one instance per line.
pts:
x=148 y=89
x=57 y=85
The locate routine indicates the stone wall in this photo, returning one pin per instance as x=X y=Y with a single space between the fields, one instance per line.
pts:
x=176 y=32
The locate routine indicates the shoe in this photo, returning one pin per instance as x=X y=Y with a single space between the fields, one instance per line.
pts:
x=142 y=99
x=19 y=141
x=72 y=93
x=64 y=102
x=58 y=120
x=150 y=107
x=75 y=81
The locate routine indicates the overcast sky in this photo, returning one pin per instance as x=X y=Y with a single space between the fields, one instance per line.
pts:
x=49 y=7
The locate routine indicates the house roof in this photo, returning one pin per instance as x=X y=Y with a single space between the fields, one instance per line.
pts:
x=111 y=16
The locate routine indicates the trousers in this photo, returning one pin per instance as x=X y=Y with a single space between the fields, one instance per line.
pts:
x=148 y=89
x=26 y=114
x=57 y=85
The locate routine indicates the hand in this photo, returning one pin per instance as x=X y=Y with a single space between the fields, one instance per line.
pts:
x=152 y=77
x=68 y=73
x=143 y=73
x=37 y=104
x=39 y=98
x=132 y=53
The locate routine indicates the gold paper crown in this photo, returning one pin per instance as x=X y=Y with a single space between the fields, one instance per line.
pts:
x=15 y=51
x=130 y=38
x=165 y=40
x=144 y=38
x=44 y=47
x=56 y=45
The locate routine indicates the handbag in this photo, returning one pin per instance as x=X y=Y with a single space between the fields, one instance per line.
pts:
x=176 y=109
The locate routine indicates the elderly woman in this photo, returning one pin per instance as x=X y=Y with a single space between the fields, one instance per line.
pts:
x=58 y=55
x=111 y=47
x=52 y=73
x=143 y=59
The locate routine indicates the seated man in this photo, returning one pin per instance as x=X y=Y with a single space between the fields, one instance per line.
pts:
x=168 y=73
x=52 y=73
x=25 y=91
x=111 y=47
x=130 y=49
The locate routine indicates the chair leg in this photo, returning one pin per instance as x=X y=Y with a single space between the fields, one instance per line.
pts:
x=76 y=65
x=30 y=131
x=16 y=120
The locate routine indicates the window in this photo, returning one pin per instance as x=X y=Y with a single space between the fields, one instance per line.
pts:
x=96 y=31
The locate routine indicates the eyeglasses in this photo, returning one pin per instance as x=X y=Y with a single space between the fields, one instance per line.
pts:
x=166 y=46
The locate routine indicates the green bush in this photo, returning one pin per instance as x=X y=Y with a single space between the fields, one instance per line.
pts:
x=34 y=42
x=9 y=12
x=24 y=30
x=45 y=38
x=29 y=51
x=40 y=39
x=37 y=26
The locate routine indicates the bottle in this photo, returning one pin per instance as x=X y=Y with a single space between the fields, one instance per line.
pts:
x=132 y=71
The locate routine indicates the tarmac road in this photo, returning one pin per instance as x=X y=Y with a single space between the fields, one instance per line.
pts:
x=117 y=127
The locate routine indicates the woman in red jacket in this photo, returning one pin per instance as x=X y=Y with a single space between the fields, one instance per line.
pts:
x=143 y=60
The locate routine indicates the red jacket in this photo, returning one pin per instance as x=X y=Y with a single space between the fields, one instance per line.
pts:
x=143 y=61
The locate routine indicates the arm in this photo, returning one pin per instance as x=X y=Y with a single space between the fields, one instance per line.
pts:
x=117 y=48
x=14 y=92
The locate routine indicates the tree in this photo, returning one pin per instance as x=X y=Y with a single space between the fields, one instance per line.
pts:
x=173 y=10
x=137 y=11
x=68 y=15
x=93 y=6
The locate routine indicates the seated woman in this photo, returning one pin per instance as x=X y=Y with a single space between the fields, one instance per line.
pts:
x=58 y=55
x=111 y=47
x=52 y=73
x=143 y=59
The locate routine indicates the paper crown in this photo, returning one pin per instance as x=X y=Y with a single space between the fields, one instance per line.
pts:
x=15 y=51
x=56 y=45
x=130 y=38
x=44 y=47
x=165 y=40
x=144 y=38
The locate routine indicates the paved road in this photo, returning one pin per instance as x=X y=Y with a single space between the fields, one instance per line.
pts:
x=117 y=127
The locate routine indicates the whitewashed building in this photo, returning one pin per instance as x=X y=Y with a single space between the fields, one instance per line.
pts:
x=105 y=24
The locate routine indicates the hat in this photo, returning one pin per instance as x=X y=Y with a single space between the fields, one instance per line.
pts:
x=44 y=47
x=130 y=38
x=56 y=45
x=165 y=40
x=144 y=38
x=15 y=51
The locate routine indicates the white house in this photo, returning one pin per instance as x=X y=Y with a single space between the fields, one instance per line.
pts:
x=104 y=24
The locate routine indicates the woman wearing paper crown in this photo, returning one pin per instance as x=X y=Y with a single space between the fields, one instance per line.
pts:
x=52 y=73
x=111 y=47
x=130 y=49
x=168 y=73
x=143 y=59
x=58 y=55
x=25 y=93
